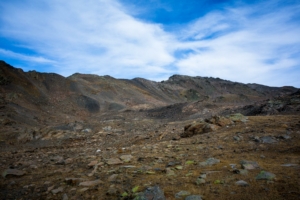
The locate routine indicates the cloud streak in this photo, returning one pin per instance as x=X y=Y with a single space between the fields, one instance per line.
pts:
x=256 y=43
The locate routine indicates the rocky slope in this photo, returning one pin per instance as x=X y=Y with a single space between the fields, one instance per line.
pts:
x=97 y=137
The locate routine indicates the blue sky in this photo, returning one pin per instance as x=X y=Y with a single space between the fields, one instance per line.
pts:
x=243 y=41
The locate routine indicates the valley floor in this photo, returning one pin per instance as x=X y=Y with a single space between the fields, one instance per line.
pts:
x=119 y=165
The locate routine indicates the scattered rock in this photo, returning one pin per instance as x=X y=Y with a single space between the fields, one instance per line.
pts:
x=126 y=158
x=193 y=197
x=59 y=160
x=249 y=165
x=65 y=197
x=289 y=165
x=200 y=181
x=240 y=171
x=182 y=194
x=197 y=128
x=170 y=172
x=238 y=117
x=237 y=138
x=83 y=190
x=263 y=175
x=241 y=183
x=58 y=190
x=209 y=162
x=268 y=140
x=114 y=161
x=112 y=190
x=113 y=178
x=90 y=183
x=13 y=172
x=151 y=193
x=285 y=137
x=173 y=163
x=93 y=163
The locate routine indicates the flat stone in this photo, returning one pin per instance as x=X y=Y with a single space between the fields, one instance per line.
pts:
x=268 y=140
x=13 y=172
x=65 y=197
x=182 y=194
x=93 y=163
x=193 y=197
x=241 y=183
x=83 y=190
x=114 y=161
x=289 y=165
x=200 y=181
x=209 y=162
x=170 y=172
x=249 y=165
x=90 y=183
x=151 y=193
x=58 y=190
x=263 y=175
x=126 y=158
x=173 y=163
x=113 y=178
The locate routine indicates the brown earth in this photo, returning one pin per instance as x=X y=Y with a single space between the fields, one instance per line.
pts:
x=92 y=137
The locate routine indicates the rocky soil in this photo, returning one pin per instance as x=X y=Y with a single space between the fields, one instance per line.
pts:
x=257 y=158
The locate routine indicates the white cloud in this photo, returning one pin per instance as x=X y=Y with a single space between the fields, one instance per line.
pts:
x=247 y=43
x=253 y=50
x=35 y=59
x=90 y=37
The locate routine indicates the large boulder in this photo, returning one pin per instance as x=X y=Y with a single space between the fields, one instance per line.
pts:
x=198 y=128
x=219 y=120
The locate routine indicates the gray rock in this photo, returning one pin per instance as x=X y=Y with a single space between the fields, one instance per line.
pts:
x=114 y=161
x=238 y=117
x=65 y=197
x=263 y=175
x=249 y=165
x=240 y=171
x=236 y=138
x=203 y=175
x=241 y=183
x=14 y=172
x=285 y=137
x=194 y=197
x=209 y=162
x=60 y=189
x=182 y=194
x=126 y=158
x=200 y=181
x=170 y=172
x=268 y=140
x=173 y=163
x=90 y=183
x=113 y=178
x=151 y=193
x=233 y=166
x=289 y=165
x=59 y=160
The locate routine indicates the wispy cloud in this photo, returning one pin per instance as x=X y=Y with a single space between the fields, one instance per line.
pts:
x=243 y=45
x=29 y=58
x=256 y=43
